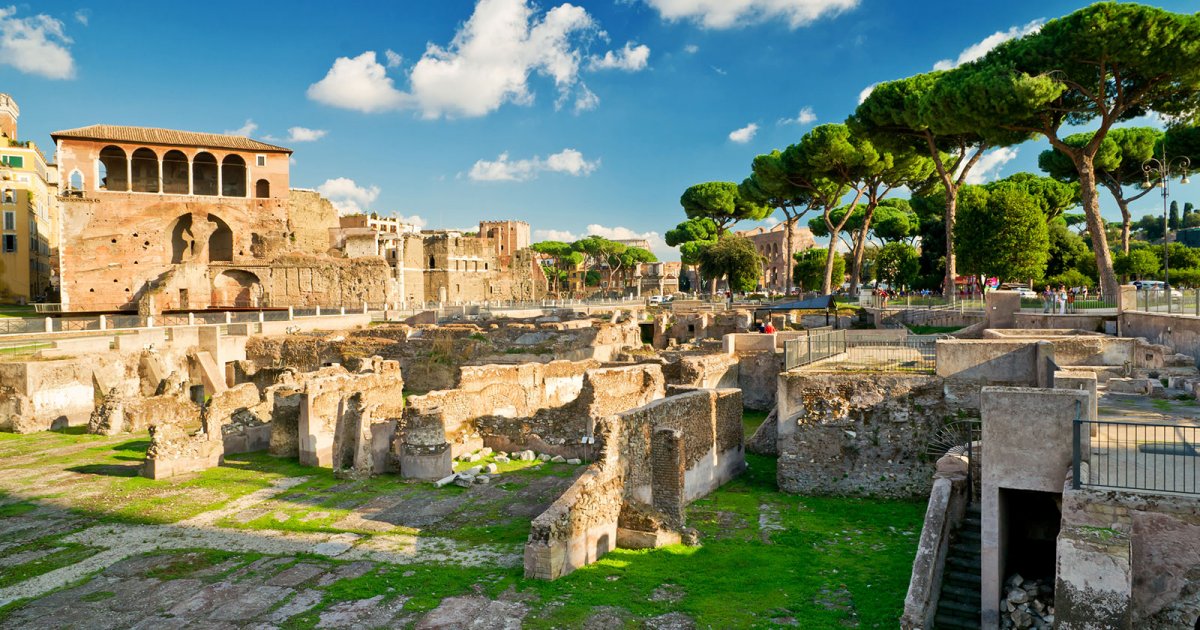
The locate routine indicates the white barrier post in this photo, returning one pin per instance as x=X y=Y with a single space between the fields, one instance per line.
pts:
x=291 y=313
x=49 y=325
x=103 y=322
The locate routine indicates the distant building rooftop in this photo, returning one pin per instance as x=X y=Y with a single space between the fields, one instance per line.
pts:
x=168 y=137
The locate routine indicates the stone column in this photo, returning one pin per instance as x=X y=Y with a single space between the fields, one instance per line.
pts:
x=128 y=172
x=220 y=184
x=191 y=177
x=160 y=177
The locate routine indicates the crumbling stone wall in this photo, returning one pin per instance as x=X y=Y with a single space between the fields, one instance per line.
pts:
x=559 y=428
x=717 y=370
x=684 y=327
x=1127 y=559
x=309 y=218
x=860 y=434
x=653 y=460
x=174 y=451
x=324 y=409
x=757 y=377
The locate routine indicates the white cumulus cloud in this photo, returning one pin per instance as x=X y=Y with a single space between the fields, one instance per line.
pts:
x=415 y=219
x=246 y=129
x=360 y=83
x=620 y=233
x=347 y=196
x=805 y=117
x=304 y=134
x=631 y=58
x=586 y=100
x=989 y=165
x=502 y=169
x=35 y=45
x=745 y=134
x=862 y=96
x=555 y=235
x=488 y=63
x=720 y=14
x=981 y=48
x=393 y=58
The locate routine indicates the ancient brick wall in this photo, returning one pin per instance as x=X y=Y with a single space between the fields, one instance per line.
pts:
x=309 y=218
x=652 y=461
x=860 y=434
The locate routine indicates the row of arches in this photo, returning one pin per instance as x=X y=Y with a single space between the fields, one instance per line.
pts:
x=173 y=173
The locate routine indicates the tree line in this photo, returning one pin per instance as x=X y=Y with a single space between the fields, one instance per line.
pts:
x=924 y=135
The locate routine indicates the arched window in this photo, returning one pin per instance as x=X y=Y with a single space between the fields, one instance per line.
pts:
x=175 y=173
x=220 y=243
x=262 y=189
x=75 y=182
x=145 y=170
x=233 y=176
x=114 y=169
x=204 y=174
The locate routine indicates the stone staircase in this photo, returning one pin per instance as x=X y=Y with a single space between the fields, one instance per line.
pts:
x=959 y=603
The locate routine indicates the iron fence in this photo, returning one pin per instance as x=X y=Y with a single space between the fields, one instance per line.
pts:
x=813 y=347
x=842 y=351
x=1153 y=457
x=1183 y=302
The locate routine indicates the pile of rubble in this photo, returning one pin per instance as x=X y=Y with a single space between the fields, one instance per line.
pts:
x=1027 y=603
x=484 y=473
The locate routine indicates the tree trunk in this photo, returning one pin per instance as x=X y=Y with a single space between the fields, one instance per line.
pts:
x=1091 y=209
x=788 y=225
x=951 y=271
x=827 y=284
x=860 y=247
x=1125 y=224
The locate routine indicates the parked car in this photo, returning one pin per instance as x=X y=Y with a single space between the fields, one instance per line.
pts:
x=1028 y=294
x=656 y=299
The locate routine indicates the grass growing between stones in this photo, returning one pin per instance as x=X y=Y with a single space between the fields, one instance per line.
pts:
x=751 y=419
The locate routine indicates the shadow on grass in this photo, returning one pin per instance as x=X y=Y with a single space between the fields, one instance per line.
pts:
x=109 y=470
x=136 y=445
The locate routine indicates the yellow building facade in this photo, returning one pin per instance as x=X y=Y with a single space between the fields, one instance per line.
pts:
x=28 y=191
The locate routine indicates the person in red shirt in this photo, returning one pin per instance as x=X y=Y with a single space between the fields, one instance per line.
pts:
x=769 y=329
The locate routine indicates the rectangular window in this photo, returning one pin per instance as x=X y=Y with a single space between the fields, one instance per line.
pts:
x=10 y=220
x=260 y=160
x=14 y=161
x=10 y=243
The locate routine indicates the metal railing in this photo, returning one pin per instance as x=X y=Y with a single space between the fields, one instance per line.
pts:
x=1175 y=301
x=914 y=353
x=1079 y=305
x=1150 y=457
x=813 y=347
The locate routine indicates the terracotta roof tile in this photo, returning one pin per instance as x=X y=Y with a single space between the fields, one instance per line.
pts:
x=169 y=137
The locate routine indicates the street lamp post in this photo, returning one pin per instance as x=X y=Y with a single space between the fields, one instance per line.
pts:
x=1162 y=169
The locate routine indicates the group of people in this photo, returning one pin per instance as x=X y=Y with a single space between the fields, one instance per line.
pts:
x=1062 y=300
x=765 y=327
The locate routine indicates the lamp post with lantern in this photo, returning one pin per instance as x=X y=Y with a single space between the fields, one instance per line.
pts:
x=1162 y=169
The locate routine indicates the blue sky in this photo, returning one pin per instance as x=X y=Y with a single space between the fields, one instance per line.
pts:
x=580 y=118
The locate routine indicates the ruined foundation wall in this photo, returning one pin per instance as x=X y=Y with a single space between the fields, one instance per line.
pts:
x=1127 y=557
x=653 y=461
x=860 y=434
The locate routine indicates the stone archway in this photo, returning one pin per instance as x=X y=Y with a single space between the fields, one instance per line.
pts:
x=237 y=288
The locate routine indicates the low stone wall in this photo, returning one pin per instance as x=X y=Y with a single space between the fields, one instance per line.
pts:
x=1127 y=559
x=40 y=395
x=1017 y=362
x=861 y=435
x=1180 y=332
x=653 y=461
x=328 y=428
x=1071 y=322
x=943 y=514
x=709 y=370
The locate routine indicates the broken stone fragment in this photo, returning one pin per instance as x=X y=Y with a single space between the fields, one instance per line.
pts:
x=558 y=459
x=483 y=479
x=485 y=451
x=544 y=457
x=474 y=457
x=445 y=481
x=472 y=471
x=501 y=459
x=574 y=461
x=491 y=469
x=464 y=481
x=528 y=456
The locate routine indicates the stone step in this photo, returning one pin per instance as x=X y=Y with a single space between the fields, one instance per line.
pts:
x=971 y=564
x=962 y=578
x=955 y=592
x=971 y=523
x=966 y=549
x=958 y=608
x=942 y=622
x=970 y=534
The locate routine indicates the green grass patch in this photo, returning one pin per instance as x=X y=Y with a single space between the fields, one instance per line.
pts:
x=64 y=554
x=751 y=419
x=98 y=596
x=933 y=330
x=189 y=562
x=16 y=509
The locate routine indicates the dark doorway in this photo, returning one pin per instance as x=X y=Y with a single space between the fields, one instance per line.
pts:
x=1030 y=532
